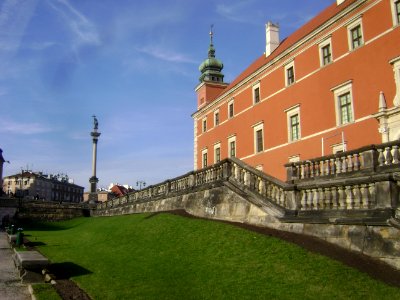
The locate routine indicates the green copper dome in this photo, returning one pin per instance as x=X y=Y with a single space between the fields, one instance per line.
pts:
x=211 y=67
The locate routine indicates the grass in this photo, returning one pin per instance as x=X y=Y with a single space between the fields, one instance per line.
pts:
x=166 y=256
x=45 y=291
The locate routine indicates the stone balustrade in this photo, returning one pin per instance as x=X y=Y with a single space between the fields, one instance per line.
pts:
x=350 y=181
x=345 y=197
x=180 y=184
x=366 y=159
x=260 y=183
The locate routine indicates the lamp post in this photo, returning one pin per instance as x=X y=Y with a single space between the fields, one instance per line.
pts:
x=140 y=183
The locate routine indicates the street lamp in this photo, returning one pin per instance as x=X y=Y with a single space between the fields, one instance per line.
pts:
x=140 y=183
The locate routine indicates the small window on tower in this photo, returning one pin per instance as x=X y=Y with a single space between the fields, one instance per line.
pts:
x=290 y=75
x=256 y=93
x=204 y=125
x=231 y=111
x=216 y=118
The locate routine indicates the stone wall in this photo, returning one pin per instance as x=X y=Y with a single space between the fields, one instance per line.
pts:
x=51 y=211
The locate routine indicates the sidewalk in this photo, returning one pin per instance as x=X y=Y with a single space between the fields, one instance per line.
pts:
x=11 y=287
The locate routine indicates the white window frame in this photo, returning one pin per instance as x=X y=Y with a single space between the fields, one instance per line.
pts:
x=204 y=125
x=350 y=27
x=294 y=158
x=322 y=45
x=257 y=127
x=396 y=72
x=256 y=86
x=338 y=91
x=230 y=140
x=338 y=148
x=290 y=112
x=232 y=102
x=396 y=22
x=287 y=67
x=204 y=153
x=217 y=146
x=216 y=113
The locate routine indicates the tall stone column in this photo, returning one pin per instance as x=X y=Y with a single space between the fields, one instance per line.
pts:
x=94 y=180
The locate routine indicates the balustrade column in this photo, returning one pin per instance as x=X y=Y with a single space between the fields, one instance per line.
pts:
x=304 y=199
x=335 y=196
x=395 y=154
x=357 y=163
x=389 y=156
x=357 y=197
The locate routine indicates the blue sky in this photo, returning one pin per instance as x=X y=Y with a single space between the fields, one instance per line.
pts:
x=134 y=64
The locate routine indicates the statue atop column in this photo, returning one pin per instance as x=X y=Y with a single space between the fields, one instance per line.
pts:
x=95 y=123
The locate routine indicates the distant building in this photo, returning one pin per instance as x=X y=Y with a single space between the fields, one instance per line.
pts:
x=114 y=190
x=332 y=85
x=31 y=185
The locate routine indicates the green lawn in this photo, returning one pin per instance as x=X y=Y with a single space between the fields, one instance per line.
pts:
x=166 y=256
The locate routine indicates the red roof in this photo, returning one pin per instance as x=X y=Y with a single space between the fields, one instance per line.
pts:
x=119 y=190
x=295 y=37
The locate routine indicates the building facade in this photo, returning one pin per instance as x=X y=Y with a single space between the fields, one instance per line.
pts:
x=332 y=85
x=31 y=185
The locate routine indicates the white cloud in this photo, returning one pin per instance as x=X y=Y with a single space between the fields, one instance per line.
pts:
x=165 y=55
x=42 y=45
x=23 y=128
x=237 y=12
x=85 y=32
x=14 y=17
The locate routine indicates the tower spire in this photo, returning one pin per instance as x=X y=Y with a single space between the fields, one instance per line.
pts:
x=211 y=67
x=211 y=34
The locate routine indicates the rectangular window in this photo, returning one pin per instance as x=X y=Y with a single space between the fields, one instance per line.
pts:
x=256 y=92
x=346 y=111
x=294 y=127
x=216 y=118
x=258 y=135
x=355 y=34
x=256 y=95
x=289 y=74
x=326 y=54
x=204 y=125
x=217 y=155
x=356 y=37
x=204 y=159
x=232 y=149
x=231 y=111
x=259 y=140
x=344 y=103
x=293 y=123
x=397 y=11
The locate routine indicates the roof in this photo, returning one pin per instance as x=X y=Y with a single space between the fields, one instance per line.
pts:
x=291 y=40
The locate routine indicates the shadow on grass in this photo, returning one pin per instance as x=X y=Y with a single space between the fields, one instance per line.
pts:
x=152 y=215
x=33 y=244
x=66 y=270
x=44 y=226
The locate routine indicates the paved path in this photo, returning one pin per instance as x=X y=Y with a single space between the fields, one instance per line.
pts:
x=11 y=287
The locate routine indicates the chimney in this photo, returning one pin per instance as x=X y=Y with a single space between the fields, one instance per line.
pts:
x=272 y=37
x=338 y=2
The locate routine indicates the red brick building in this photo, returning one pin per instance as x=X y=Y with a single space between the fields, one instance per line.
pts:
x=332 y=85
